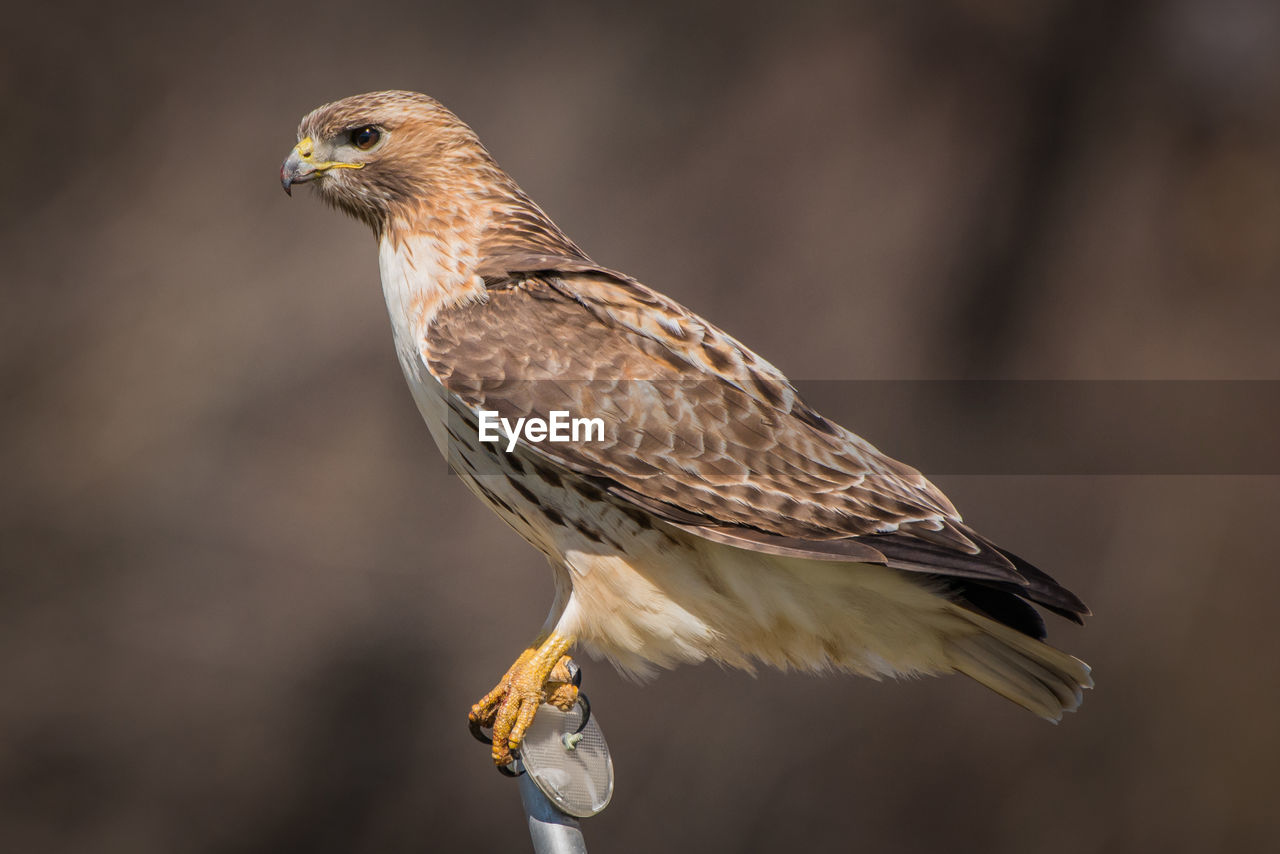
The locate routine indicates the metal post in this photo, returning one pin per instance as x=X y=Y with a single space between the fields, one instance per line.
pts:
x=552 y=831
x=565 y=774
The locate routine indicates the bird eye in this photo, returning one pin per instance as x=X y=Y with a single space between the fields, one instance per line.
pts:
x=365 y=138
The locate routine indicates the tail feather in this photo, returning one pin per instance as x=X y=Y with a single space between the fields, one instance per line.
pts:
x=1041 y=679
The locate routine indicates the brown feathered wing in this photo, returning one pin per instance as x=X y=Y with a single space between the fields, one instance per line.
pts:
x=705 y=435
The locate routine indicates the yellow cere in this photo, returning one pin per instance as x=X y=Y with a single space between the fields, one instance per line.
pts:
x=306 y=148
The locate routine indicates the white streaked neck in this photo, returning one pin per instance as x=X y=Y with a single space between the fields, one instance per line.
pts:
x=423 y=273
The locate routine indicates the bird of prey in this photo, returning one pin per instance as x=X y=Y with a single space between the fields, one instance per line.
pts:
x=716 y=515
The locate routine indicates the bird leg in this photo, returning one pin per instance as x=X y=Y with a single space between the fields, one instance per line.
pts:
x=540 y=675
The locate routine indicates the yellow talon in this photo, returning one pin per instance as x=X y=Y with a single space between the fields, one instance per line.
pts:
x=540 y=674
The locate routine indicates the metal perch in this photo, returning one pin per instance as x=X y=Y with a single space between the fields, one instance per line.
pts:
x=565 y=774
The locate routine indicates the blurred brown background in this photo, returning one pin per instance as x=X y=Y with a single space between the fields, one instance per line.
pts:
x=244 y=609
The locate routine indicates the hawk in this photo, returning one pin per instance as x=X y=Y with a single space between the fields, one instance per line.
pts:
x=718 y=516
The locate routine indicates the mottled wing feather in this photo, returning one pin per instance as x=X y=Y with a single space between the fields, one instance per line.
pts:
x=699 y=430
x=676 y=431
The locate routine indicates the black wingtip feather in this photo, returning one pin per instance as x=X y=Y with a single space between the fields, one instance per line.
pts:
x=1052 y=595
x=1000 y=605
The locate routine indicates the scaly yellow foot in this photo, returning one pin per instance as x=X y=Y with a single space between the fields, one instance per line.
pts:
x=540 y=675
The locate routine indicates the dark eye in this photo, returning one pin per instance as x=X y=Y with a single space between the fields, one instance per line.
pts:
x=365 y=138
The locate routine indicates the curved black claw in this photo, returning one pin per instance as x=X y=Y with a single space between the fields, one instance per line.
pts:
x=514 y=768
x=586 y=711
x=477 y=732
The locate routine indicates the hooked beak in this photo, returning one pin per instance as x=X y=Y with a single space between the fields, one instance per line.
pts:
x=297 y=168
x=301 y=166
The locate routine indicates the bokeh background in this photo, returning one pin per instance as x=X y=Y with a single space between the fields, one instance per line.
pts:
x=243 y=608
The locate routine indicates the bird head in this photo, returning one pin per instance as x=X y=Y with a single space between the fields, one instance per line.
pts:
x=379 y=155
